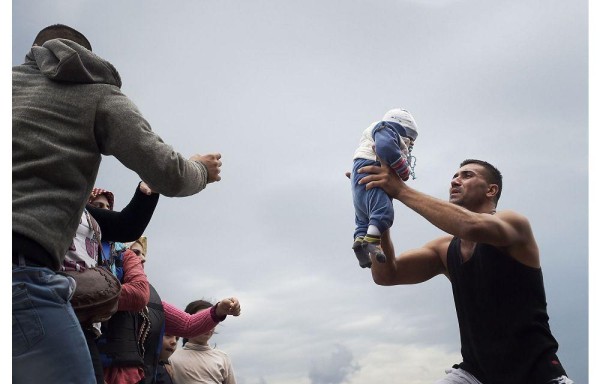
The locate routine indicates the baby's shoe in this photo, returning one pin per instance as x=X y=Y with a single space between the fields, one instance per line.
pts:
x=364 y=260
x=372 y=246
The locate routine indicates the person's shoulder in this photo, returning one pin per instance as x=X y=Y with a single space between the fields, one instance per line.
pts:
x=441 y=242
x=513 y=217
x=439 y=247
x=224 y=356
x=177 y=355
x=26 y=68
x=220 y=352
x=509 y=212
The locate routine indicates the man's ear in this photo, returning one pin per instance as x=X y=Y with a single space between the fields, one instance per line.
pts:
x=492 y=190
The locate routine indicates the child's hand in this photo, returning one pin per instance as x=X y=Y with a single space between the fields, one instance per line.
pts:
x=228 y=306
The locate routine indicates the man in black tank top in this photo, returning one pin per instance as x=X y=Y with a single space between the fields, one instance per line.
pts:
x=493 y=263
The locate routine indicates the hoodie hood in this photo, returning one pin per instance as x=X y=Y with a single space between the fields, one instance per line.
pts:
x=65 y=60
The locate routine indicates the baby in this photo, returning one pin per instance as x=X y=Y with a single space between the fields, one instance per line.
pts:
x=393 y=138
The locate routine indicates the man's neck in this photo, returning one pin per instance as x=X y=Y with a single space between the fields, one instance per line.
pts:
x=486 y=208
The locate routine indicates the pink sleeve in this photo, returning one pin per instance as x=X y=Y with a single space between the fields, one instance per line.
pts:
x=182 y=324
x=135 y=290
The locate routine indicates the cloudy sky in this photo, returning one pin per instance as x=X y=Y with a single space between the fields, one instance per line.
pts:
x=283 y=90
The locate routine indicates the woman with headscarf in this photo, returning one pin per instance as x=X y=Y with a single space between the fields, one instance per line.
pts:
x=106 y=225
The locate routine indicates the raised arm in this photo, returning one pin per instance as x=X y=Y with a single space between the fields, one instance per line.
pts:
x=131 y=222
x=499 y=230
x=506 y=229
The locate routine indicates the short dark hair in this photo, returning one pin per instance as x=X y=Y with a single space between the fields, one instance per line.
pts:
x=195 y=307
x=61 y=31
x=492 y=174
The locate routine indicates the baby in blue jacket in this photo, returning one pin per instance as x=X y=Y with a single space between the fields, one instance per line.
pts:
x=393 y=138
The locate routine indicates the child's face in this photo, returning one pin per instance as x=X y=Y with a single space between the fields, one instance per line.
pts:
x=138 y=250
x=168 y=347
x=203 y=338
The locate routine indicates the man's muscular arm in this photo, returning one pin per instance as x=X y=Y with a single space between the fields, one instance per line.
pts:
x=499 y=230
x=506 y=229
x=410 y=267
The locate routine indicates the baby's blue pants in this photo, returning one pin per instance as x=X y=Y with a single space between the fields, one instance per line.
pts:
x=372 y=207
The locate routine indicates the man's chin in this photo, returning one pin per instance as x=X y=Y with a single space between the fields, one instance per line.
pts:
x=455 y=200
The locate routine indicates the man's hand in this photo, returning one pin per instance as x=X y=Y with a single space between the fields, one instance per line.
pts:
x=228 y=306
x=382 y=177
x=213 y=165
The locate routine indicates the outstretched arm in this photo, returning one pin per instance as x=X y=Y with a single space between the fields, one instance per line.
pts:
x=123 y=132
x=500 y=230
x=506 y=229
x=182 y=324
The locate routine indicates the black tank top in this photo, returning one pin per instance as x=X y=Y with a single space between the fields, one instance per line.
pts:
x=501 y=309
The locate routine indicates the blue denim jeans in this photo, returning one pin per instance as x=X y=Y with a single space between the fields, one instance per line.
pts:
x=372 y=207
x=48 y=343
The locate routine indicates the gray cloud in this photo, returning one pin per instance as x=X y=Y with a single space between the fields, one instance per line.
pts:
x=334 y=369
x=283 y=90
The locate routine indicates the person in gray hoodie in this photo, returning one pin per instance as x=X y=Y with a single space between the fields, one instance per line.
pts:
x=67 y=111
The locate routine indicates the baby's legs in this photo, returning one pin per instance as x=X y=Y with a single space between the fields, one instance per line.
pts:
x=361 y=213
x=361 y=219
x=381 y=217
x=374 y=214
x=380 y=211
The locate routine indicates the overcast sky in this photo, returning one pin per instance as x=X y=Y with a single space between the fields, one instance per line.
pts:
x=283 y=90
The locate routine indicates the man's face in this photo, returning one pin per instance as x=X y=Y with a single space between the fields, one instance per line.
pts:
x=101 y=202
x=468 y=187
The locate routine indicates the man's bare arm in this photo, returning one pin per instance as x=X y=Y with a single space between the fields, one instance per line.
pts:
x=500 y=230
x=410 y=267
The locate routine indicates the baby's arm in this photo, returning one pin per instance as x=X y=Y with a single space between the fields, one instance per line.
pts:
x=391 y=150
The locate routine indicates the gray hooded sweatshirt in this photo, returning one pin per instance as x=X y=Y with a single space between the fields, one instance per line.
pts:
x=68 y=111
